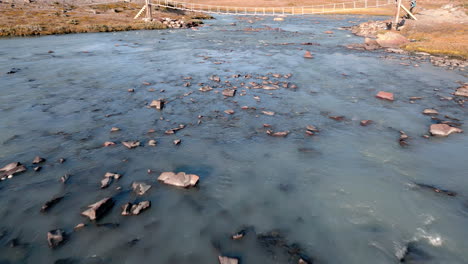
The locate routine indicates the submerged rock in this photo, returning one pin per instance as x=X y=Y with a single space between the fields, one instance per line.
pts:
x=229 y=112
x=443 y=130
x=55 y=238
x=436 y=189
x=385 y=96
x=180 y=179
x=108 y=144
x=115 y=129
x=99 y=209
x=269 y=113
x=38 y=160
x=140 y=188
x=413 y=254
x=227 y=260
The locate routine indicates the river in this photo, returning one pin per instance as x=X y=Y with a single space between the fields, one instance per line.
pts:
x=348 y=194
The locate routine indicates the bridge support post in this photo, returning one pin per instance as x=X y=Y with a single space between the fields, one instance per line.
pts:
x=149 y=10
x=397 y=15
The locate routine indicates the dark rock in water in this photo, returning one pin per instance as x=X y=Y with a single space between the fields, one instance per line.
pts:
x=13 y=71
x=274 y=240
x=109 y=225
x=38 y=160
x=98 y=209
x=243 y=232
x=412 y=254
x=67 y=261
x=49 y=204
x=436 y=189
x=14 y=243
x=133 y=242
x=55 y=238
x=62 y=160
x=37 y=169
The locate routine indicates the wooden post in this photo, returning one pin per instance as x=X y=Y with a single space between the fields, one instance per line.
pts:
x=149 y=11
x=397 y=15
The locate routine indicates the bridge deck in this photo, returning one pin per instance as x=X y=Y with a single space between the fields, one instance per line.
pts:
x=274 y=11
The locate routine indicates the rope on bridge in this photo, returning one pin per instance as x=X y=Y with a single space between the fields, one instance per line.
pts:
x=273 y=11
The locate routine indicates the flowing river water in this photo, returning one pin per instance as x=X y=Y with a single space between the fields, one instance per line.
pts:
x=348 y=194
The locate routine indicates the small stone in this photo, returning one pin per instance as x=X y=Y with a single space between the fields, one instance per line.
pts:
x=366 y=122
x=180 y=179
x=229 y=111
x=443 y=130
x=62 y=160
x=269 y=113
x=126 y=209
x=312 y=128
x=140 y=207
x=106 y=182
x=158 y=104
x=177 y=141
x=152 y=143
x=98 y=209
x=65 y=178
x=308 y=55
x=430 y=112
x=79 y=226
x=38 y=160
x=131 y=90
x=115 y=129
x=205 y=89
x=277 y=134
x=227 y=260
x=55 y=238
x=140 y=188
x=108 y=144
x=385 y=96
x=229 y=92
x=112 y=175
x=328 y=32
x=131 y=144
x=337 y=118
x=215 y=78
x=37 y=169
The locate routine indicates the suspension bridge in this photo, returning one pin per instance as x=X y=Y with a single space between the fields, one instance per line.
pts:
x=324 y=7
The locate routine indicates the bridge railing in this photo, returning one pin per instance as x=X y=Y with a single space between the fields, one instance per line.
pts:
x=303 y=10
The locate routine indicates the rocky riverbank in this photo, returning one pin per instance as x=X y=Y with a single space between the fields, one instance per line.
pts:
x=34 y=19
x=437 y=36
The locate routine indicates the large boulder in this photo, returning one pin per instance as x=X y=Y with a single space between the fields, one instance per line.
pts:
x=180 y=179
x=98 y=209
x=443 y=130
x=391 y=40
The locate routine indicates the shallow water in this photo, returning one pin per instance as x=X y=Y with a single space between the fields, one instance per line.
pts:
x=345 y=195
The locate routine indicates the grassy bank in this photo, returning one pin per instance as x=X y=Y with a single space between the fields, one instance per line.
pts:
x=40 y=19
